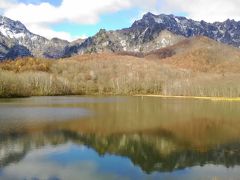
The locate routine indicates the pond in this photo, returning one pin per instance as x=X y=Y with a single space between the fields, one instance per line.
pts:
x=121 y=137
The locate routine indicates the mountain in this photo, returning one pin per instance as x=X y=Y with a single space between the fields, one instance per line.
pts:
x=16 y=40
x=227 y=32
x=125 y=40
x=150 y=33
x=157 y=31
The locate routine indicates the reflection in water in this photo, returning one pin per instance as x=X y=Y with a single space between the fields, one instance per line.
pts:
x=120 y=138
x=67 y=155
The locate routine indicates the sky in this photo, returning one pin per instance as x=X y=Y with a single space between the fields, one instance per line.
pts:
x=74 y=19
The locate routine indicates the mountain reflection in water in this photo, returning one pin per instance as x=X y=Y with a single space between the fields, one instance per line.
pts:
x=123 y=138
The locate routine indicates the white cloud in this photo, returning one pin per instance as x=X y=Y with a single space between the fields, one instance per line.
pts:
x=37 y=164
x=84 y=36
x=38 y=17
x=6 y=4
x=84 y=12
x=49 y=33
x=214 y=10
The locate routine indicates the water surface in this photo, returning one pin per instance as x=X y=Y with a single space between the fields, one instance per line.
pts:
x=119 y=138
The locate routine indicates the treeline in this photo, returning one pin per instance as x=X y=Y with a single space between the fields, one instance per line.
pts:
x=116 y=75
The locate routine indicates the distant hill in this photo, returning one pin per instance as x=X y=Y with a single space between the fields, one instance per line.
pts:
x=200 y=54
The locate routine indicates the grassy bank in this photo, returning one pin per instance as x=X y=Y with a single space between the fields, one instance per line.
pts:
x=193 y=97
x=110 y=74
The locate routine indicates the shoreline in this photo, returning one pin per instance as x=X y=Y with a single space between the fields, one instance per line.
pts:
x=136 y=95
x=193 y=97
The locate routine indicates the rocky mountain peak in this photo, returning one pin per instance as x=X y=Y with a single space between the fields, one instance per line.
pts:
x=11 y=23
x=147 y=34
x=226 y=32
x=16 y=40
x=12 y=29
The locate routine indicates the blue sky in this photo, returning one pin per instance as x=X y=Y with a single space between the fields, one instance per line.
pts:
x=73 y=19
x=112 y=15
x=111 y=21
x=53 y=2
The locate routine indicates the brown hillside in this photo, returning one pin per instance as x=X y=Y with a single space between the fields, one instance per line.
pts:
x=124 y=74
x=199 y=54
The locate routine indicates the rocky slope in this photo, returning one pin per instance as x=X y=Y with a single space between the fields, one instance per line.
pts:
x=16 y=40
x=157 y=31
x=226 y=32
x=145 y=35
x=124 y=41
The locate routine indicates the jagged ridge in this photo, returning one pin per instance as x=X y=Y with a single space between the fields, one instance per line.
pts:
x=145 y=35
x=157 y=31
x=17 y=41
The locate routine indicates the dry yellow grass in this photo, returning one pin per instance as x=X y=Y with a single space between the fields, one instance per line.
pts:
x=194 y=97
x=26 y=64
x=198 y=71
x=89 y=74
x=200 y=54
